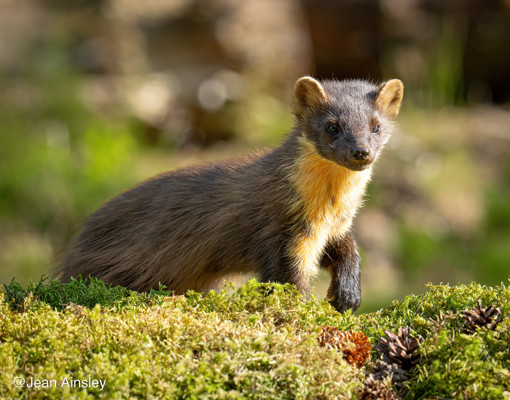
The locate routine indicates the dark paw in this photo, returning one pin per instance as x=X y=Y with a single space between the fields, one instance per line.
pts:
x=346 y=300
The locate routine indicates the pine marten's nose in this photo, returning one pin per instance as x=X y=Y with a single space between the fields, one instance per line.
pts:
x=361 y=153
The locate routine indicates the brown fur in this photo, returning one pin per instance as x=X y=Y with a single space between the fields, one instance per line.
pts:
x=281 y=213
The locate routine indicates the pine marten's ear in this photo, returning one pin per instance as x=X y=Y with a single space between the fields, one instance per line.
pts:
x=389 y=97
x=308 y=94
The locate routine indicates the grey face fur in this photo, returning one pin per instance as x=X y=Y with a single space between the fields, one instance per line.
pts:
x=348 y=121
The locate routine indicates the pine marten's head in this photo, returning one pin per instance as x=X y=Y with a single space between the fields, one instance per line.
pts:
x=348 y=122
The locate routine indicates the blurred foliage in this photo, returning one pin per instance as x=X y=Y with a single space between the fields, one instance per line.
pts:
x=58 y=161
x=437 y=209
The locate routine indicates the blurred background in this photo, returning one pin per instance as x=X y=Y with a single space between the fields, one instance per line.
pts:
x=97 y=95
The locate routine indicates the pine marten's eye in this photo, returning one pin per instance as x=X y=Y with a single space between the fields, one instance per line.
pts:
x=332 y=129
x=376 y=129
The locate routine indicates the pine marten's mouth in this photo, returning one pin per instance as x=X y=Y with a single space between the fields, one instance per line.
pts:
x=358 y=165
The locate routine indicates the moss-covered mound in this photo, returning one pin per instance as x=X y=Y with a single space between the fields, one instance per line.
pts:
x=87 y=340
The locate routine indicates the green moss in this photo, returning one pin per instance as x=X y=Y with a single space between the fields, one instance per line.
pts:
x=85 y=292
x=257 y=342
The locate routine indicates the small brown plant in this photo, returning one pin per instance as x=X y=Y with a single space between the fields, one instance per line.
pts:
x=375 y=389
x=479 y=317
x=354 y=345
x=384 y=370
x=400 y=348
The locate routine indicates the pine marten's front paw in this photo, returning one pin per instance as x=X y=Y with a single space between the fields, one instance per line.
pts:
x=345 y=299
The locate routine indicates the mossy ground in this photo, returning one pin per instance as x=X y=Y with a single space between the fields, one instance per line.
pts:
x=257 y=342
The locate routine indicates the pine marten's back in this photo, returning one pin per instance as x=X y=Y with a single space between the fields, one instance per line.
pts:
x=280 y=214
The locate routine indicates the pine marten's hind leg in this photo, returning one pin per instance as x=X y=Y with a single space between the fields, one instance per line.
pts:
x=341 y=258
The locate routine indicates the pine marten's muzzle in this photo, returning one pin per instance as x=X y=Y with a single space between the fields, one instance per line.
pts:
x=361 y=154
x=360 y=157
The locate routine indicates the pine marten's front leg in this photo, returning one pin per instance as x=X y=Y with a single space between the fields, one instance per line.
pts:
x=341 y=258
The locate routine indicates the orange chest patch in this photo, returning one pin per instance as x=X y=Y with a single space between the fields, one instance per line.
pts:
x=329 y=196
x=329 y=192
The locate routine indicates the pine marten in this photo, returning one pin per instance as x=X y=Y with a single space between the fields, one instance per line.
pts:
x=281 y=213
